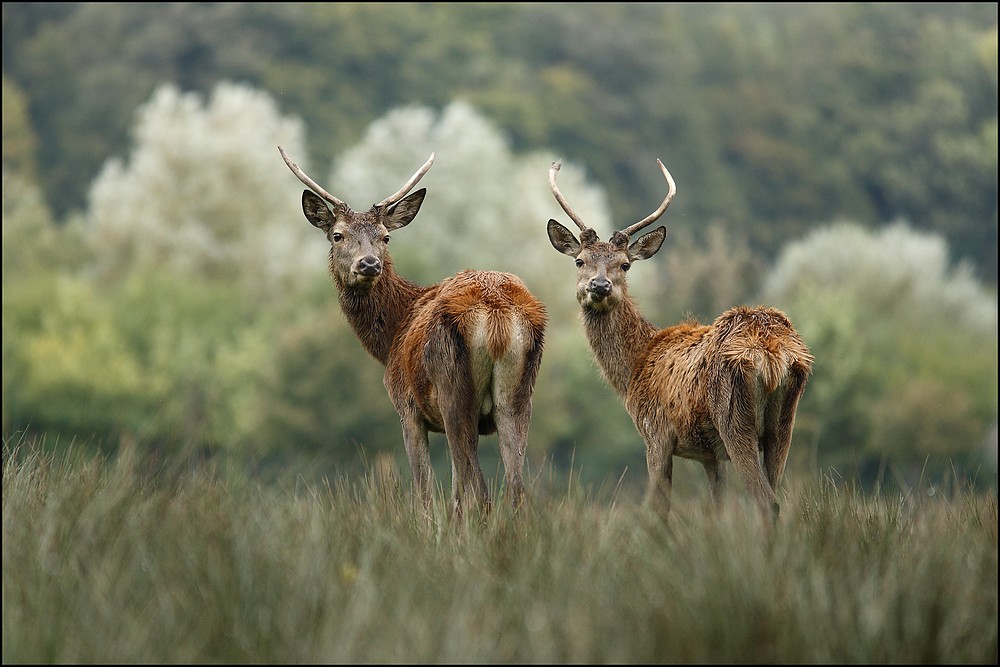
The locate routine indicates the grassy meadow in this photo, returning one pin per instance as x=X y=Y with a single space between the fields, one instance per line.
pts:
x=106 y=563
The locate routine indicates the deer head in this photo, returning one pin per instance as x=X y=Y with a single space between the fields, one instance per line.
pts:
x=602 y=265
x=358 y=240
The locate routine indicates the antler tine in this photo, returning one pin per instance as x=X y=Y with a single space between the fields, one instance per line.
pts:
x=308 y=181
x=655 y=215
x=388 y=201
x=562 y=200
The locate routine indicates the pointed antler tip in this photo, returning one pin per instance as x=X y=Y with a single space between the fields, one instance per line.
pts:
x=655 y=215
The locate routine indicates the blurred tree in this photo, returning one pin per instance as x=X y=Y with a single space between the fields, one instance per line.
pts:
x=32 y=248
x=905 y=345
x=486 y=207
x=324 y=397
x=19 y=140
x=699 y=276
x=768 y=115
x=76 y=83
x=921 y=162
x=152 y=320
x=204 y=192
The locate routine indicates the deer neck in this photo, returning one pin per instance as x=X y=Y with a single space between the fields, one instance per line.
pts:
x=618 y=338
x=380 y=312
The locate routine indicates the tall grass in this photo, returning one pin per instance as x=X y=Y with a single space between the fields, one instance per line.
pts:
x=104 y=563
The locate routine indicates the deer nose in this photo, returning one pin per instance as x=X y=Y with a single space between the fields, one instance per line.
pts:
x=369 y=265
x=599 y=286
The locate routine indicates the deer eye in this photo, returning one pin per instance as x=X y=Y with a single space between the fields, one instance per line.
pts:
x=337 y=237
x=579 y=263
x=386 y=239
x=626 y=266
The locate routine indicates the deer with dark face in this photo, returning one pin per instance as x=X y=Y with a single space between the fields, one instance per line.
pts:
x=461 y=356
x=728 y=390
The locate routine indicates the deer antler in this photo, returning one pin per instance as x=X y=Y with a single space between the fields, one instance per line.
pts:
x=655 y=215
x=388 y=201
x=562 y=200
x=308 y=181
x=314 y=186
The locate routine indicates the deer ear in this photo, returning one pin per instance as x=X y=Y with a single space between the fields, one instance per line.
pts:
x=562 y=239
x=402 y=213
x=647 y=245
x=316 y=210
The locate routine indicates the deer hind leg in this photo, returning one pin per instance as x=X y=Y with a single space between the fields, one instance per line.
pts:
x=778 y=427
x=512 y=433
x=468 y=486
x=736 y=420
x=716 y=481
x=447 y=361
x=660 y=466
x=514 y=377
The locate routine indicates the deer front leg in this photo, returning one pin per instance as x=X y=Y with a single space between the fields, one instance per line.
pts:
x=414 y=433
x=418 y=453
x=660 y=466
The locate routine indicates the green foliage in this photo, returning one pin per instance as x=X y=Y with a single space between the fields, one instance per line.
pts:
x=151 y=320
x=325 y=398
x=162 y=359
x=905 y=346
x=32 y=249
x=20 y=144
x=697 y=276
x=578 y=422
x=105 y=562
x=770 y=116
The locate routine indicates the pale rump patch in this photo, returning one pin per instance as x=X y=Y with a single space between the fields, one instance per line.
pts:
x=498 y=342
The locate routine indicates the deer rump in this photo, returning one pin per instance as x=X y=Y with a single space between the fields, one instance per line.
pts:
x=741 y=375
x=475 y=338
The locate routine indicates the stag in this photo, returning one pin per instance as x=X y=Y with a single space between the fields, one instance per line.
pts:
x=728 y=390
x=461 y=356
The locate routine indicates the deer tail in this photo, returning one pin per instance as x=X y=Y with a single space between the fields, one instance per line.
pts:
x=764 y=345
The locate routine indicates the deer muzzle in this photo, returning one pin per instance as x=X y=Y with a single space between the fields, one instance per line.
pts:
x=599 y=287
x=369 y=266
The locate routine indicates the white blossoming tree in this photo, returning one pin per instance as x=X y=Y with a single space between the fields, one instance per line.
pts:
x=905 y=380
x=205 y=192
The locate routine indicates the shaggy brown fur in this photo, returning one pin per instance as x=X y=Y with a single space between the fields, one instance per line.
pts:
x=461 y=357
x=704 y=392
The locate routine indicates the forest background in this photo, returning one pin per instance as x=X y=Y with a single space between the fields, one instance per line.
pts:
x=163 y=293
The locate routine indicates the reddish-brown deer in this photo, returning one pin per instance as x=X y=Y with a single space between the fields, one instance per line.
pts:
x=461 y=357
x=728 y=390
